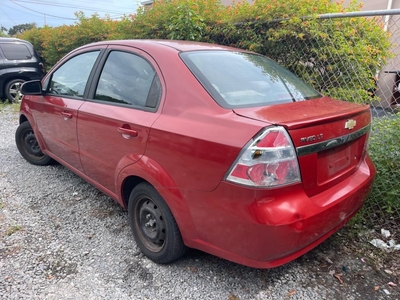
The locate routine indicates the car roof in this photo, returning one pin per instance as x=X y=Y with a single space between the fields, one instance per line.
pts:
x=173 y=44
x=13 y=40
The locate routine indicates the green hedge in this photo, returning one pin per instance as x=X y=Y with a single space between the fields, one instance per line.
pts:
x=385 y=152
x=316 y=50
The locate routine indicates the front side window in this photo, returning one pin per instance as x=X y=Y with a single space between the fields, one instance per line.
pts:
x=16 y=51
x=71 y=78
x=128 y=79
x=236 y=79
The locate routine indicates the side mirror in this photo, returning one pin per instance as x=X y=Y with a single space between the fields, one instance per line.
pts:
x=33 y=87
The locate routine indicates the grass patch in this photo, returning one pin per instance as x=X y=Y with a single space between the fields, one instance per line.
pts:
x=13 y=229
x=384 y=202
x=5 y=105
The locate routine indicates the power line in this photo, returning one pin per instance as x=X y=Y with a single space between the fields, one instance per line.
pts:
x=60 y=10
x=4 y=13
x=79 y=7
x=44 y=14
x=15 y=9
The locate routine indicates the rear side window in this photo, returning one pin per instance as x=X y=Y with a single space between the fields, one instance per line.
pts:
x=16 y=51
x=236 y=79
x=128 y=79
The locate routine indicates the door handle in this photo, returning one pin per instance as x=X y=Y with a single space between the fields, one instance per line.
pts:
x=66 y=115
x=127 y=133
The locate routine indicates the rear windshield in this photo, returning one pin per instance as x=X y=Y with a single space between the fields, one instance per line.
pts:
x=14 y=51
x=236 y=79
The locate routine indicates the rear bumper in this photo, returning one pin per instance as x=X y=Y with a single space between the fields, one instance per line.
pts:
x=267 y=228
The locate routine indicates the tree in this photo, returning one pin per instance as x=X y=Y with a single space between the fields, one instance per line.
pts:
x=19 y=29
x=3 y=31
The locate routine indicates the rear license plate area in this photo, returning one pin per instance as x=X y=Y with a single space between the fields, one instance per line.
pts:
x=337 y=161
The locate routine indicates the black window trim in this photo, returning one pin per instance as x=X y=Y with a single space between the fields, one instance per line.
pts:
x=95 y=77
x=47 y=81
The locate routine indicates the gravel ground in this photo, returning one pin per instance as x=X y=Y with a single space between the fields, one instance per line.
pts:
x=60 y=238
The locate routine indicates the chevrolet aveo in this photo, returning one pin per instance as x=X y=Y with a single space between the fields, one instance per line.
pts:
x=207 y=147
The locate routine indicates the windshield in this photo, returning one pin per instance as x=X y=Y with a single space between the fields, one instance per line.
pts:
x=236 y=79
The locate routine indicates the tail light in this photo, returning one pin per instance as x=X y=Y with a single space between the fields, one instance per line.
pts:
x=268 y=160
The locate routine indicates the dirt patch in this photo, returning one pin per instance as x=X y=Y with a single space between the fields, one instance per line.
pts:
x=349 y=263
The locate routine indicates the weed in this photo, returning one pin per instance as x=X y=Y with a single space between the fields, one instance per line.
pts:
x=5 y=105
x=13 y=229
x=383 y=149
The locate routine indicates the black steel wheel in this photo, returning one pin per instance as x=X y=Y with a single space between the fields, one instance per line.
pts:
x=28 y=146
x=153 y=225
x=12 y=90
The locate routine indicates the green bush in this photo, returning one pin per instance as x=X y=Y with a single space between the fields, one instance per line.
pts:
x=54 y=42
x=312 y=48
x=339 y=57
x=385 y=153
x=177 y=19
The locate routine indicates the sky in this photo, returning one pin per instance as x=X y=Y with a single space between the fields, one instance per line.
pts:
x=58 y=12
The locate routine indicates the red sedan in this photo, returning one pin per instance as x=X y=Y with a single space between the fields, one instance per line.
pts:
x=207 y=147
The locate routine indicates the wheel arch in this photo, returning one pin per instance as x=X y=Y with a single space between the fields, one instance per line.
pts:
x=25 y=116
x=128 y=185
x=147 y=170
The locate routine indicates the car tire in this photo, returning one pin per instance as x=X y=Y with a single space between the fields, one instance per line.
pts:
x=28 y=146
x=12 y=90
x=153 y=225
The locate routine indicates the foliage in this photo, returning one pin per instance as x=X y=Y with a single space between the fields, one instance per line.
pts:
x=177 y=19
x=55 y=42
x=5 y=105
x=291 y=33
x=385 y=153
x=310 y=47
x=21 y=28
x=3 y=31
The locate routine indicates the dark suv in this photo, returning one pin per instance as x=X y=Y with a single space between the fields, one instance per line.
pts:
x=19 y=62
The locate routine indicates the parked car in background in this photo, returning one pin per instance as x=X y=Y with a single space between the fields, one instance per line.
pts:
x=208 y=147
x=19 y=62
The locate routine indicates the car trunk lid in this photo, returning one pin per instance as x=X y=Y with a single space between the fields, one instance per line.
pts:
x=330 y=137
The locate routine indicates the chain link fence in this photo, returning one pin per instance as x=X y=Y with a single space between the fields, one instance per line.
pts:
x=383 y=205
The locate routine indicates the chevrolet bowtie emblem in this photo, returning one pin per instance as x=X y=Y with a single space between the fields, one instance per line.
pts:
x=350 y=124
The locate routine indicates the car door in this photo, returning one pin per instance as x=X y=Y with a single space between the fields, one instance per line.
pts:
x=113 y=127
x=3 y=71
x=56 y=114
